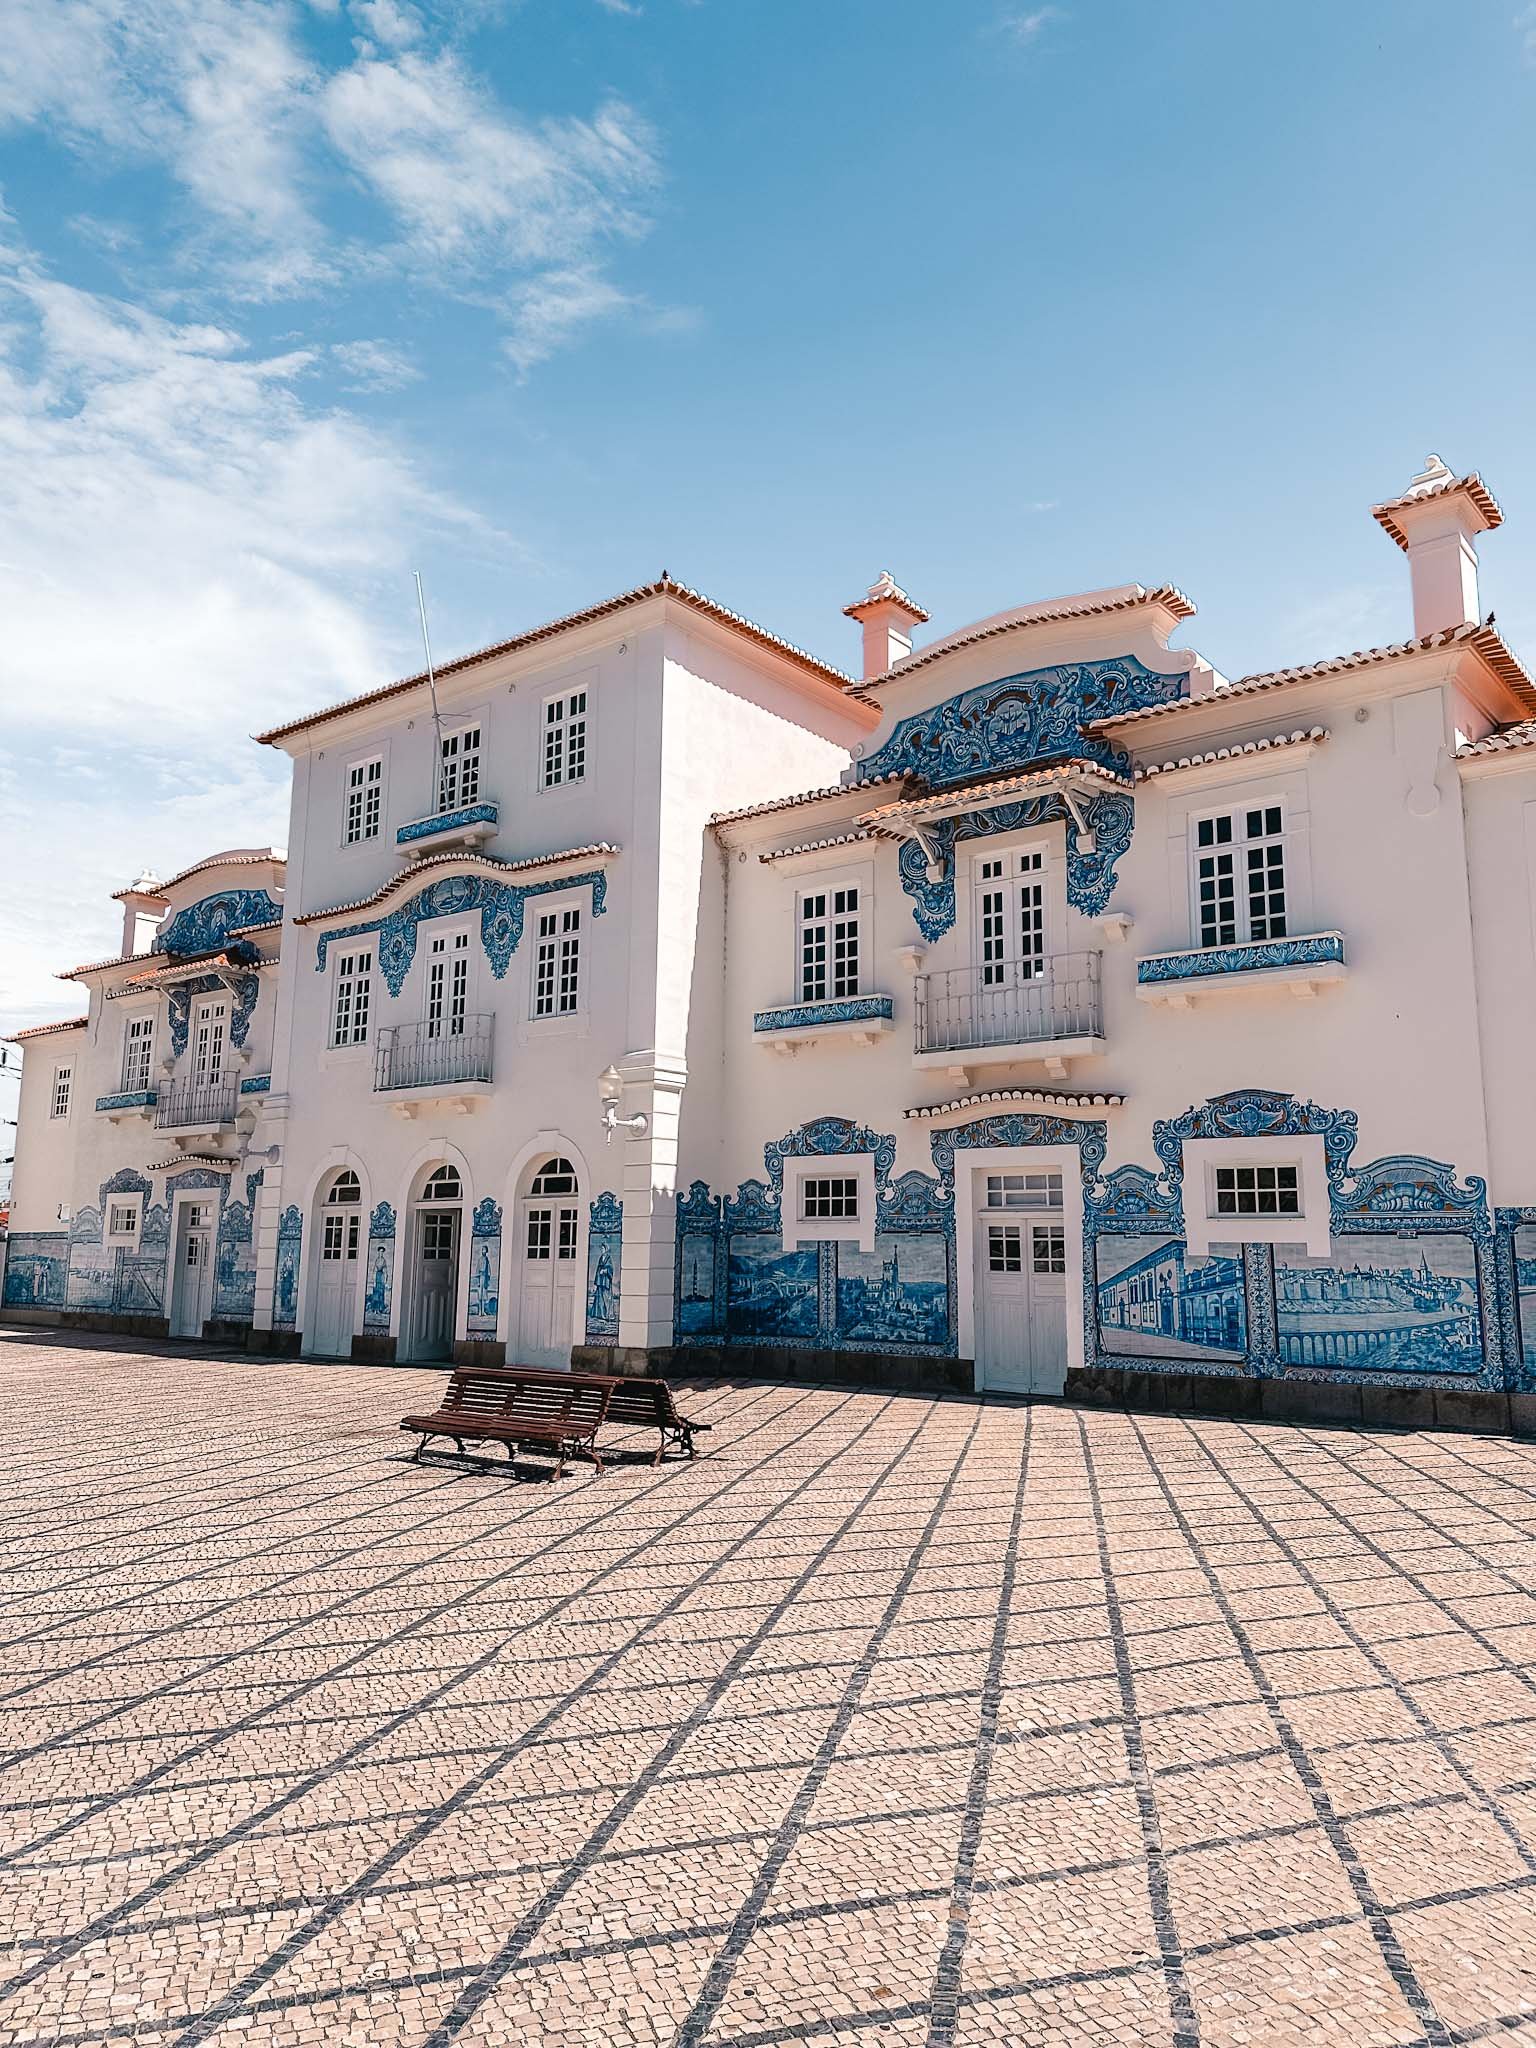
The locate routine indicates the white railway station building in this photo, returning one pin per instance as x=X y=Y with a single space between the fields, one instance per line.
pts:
x=1038 y=1012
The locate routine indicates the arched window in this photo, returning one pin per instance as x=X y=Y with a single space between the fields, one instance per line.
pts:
x=554 y=1177
x=347 y=1187
x=443 y=1185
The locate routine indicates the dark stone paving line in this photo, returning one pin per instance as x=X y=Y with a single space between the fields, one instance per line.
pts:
x=370 y=1588
x=1404 y=1976
x=240 y=1995
x=1186 y=2027
x=162 y=1771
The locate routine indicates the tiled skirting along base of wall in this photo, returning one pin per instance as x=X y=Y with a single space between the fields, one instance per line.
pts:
x=1489 y=1410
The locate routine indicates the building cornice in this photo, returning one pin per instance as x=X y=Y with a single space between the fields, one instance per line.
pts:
x=1166 y=597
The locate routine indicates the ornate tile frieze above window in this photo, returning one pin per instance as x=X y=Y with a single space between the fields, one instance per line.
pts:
x=930 y=883
x=1037 y=715
x=204 y=926
x=500 y=905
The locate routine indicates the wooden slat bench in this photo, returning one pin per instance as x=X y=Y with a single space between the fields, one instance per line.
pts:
x=650 y=1402
x=519 y=1406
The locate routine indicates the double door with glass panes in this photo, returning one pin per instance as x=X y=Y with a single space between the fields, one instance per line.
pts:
x=547 y=1298
x=1012 y=958
x=192 y=1269
x=334 y=1313
x=434 y=1284
x=1021 y=1283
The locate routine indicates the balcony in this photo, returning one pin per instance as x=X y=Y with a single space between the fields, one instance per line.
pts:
x=197 y=1108
x=966 y=1018
x=1301 y=966
x=128 y=1107
x=421 y=1065
x=861 y=1019
x=469 y=826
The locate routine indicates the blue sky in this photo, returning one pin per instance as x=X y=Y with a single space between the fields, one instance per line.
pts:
x=544 y=297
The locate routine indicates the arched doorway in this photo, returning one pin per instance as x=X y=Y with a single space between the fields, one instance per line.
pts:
x=432 y=1270
x=338 y=1251
x=547 y=1295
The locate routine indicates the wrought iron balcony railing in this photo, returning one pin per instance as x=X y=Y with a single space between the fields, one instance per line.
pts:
x=1010 y=1003
x=199 y=1104
x=427 y=1056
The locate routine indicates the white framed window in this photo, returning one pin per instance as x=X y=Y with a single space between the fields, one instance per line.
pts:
x=458 y=781
x=123 y=1219
x=1047 y=1249
x=1010 y=917
x=209 y=1030
x=830 y=1195
x=1024 y=1191
x=1257 y=1190
x=353 y=997
x=557 y=963
x=564 y=757
x=829 y=943
x=63 y=1089
x=1239 y=875
x=447 y=1005
x=365 y=800
x=830 y=1198
x=138 y=1053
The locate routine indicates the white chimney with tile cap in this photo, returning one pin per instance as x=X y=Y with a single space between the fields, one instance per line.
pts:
x=887 y=615
x=143 y=908
x=1434 y=522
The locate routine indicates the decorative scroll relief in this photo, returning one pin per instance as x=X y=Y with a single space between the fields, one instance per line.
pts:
x=204 y=926
x=500 y=905
x=246 y=988
x=1111 y=818
x=824 y=1137
x=1037 y=715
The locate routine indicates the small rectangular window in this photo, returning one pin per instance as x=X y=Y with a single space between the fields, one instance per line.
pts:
x=1258 y=1191
x=63 y=1085
x=829 y=1199
x=1240 y=876
x=138 y=1053
x=459 y=783
x=1024 y=1191
x=354 y=996
x=1005 y=1248
x=1048 y=1249
x=829 y=944
x=565 y=740
x=122 y=1222
x=557 y=964
x=365 y=796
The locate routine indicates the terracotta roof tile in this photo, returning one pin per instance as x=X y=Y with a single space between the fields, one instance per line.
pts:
x=47 y=1030
x=1299 y=738
x=808 y=796
x=1486 y=503
x=1128 y=597
x=985 y=1098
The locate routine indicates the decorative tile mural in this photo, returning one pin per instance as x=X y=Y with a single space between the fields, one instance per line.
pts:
x=1387 y=1304
x=204 y=926
x=604 y=1244
x=378 y=1287
x=1155 y=1300
x=500 y=905
x=739 y=1282
x=484 y=1269
x=234 y=1289
x=285 y=1281
x=36 y=1263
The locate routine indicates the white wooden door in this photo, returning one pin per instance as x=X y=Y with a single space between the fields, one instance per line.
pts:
x=546 y=1295
x=435 y=1293
x=336 y=1284
x=1021 y=1303
x=192 y=1284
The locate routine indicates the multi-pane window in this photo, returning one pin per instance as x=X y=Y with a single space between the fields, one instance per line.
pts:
x=208 y=1044
x=354 y=994
x=1258 y=1191
x=565 y=739
x=1024 y=1191
x=365 y=797
x=1005 y=1248
x=1010 y=917
x=829 y=1198
x=1047 y=1249
x=829 y=944
x=557 y=964
x=443 y=1185
x=122 y=1222
x=459 y=782
x=138 y=1051
x=63 y=1086
x=1240 y=876
x=447 y=985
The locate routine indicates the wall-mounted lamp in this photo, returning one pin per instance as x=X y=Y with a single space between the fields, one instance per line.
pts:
x=610 y=1092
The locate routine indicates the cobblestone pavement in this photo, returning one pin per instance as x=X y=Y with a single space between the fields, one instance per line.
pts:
x=889 y=1721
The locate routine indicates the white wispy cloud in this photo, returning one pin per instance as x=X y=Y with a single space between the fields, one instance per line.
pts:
x=374 y=365
x=1028 y=25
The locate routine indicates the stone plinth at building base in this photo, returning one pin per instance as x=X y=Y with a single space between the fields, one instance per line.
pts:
x=1491 y=1411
